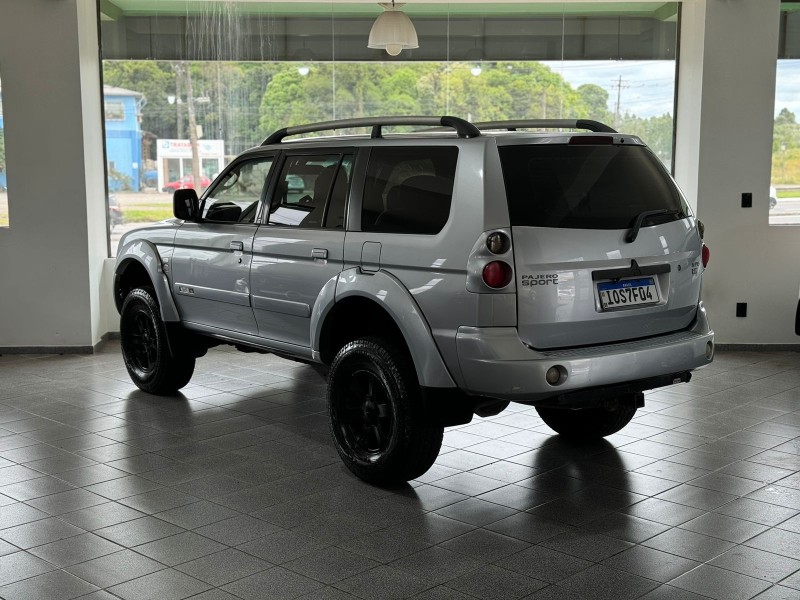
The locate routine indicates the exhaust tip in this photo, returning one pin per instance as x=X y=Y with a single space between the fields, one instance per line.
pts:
x=709 y=350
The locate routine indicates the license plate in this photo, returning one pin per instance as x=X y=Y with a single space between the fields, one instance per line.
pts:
x=627 y=292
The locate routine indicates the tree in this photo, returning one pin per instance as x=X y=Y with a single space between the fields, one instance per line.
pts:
x=785 y=117
x=595 y=99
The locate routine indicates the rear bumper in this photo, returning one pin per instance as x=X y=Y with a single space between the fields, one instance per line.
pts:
x=496 y=363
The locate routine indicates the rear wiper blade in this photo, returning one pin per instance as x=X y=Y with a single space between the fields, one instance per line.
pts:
x=634 y=232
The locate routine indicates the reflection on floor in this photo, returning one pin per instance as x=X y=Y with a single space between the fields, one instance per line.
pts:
x=233 y=490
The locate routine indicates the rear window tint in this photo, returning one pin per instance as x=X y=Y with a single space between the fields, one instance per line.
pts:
x=586 y=187
x=409 y=189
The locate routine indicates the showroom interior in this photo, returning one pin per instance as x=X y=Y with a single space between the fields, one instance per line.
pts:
x=233 y=487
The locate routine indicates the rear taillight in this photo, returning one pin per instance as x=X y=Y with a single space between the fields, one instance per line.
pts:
x=706 y=255
x=497 y=274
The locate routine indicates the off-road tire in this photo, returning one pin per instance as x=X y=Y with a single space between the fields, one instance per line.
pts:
x=145 y=348
x=377 y=418
x=587 y=423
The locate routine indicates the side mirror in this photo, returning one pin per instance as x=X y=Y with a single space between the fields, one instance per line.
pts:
x=185 y=205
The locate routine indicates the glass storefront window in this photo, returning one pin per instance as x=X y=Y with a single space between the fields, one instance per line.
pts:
x=4 y=219
x=784 y=190
x=224 y=75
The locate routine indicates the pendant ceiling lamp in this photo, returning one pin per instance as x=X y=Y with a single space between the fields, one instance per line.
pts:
x=392 y=31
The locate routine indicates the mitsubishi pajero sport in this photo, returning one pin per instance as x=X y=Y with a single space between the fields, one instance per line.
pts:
x=435 y=274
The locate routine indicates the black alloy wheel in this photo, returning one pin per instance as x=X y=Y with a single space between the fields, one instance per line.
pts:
x=367 y=416
x=145 y=347
x=377 y=417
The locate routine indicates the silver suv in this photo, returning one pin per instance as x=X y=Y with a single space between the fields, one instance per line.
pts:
x=433 y=275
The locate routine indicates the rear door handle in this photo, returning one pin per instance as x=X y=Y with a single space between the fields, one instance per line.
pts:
x=320 y=253
x=237 y=246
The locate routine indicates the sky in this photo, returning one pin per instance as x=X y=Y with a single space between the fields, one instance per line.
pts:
x=648 y=86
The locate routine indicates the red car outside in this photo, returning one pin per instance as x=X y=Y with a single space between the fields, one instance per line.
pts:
x=186 y=182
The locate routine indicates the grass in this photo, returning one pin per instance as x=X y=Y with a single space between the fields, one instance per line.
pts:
x=147 y=215
x=788 y=193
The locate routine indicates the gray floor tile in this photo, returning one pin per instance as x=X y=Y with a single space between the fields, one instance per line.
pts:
x=756 y=511
x=112 y=569
x=544 y=564
x=179 y=548
x=237 y=530
x=436 y=565
x=35 y=488
x=281 y=583
x=212 y=463
x=527 y=527
x=21 y=565
x=64 y=502
x=138 y=531
x=101 y=515
x=74 y=550
x=688 y=544
x=587 y=545
x=603 y=583
x=724 y=527
x=55 y=585
x=224 y=567
x=720 y=584
x=383 y=582
x=495 y=583
x=651 y=564
x=19 y=513
x=168 y=584
x=757 y=563
x=331 y=565
x=39 y=532
x=785 y=543
x=778 y=592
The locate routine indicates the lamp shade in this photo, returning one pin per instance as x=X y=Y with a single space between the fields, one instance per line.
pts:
x=392 y=31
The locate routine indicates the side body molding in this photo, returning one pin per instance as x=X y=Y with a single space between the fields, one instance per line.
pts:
x=390 y=294
x=146 y=254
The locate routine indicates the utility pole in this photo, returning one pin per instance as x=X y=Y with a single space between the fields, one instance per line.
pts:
x=619 y=84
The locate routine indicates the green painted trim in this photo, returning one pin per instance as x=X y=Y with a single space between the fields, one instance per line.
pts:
x=209 y=7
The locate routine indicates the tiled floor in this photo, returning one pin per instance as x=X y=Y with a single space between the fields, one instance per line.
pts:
x=234 y=490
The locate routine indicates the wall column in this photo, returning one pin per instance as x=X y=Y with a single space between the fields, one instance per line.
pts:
x=726 y=96
x=51 y=256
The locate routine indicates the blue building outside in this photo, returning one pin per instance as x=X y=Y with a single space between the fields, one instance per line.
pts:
x=123 y=110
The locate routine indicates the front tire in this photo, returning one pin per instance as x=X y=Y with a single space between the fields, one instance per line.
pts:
x=145 y=348
x=587 y=423
x=376 y=414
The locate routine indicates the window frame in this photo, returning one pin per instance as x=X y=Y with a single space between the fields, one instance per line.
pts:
x=286 y=155
x=366 y=174
x=274 y=156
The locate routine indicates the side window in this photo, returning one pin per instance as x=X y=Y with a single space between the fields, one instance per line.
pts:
x=235 y=197
x=303 y=189
x=409 y=189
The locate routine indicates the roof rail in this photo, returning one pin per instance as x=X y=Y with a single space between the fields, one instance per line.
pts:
x=546 y=124
x=463 y=128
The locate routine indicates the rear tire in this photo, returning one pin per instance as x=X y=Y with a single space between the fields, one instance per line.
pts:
x=587 y=423
x=145 y=348
x=376 y=414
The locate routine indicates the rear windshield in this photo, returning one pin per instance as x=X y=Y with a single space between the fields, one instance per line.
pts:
x=586 y=187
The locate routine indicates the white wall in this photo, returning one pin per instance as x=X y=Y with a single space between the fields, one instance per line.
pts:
x=724 y=131
x=54 y=277
x=51 y=256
